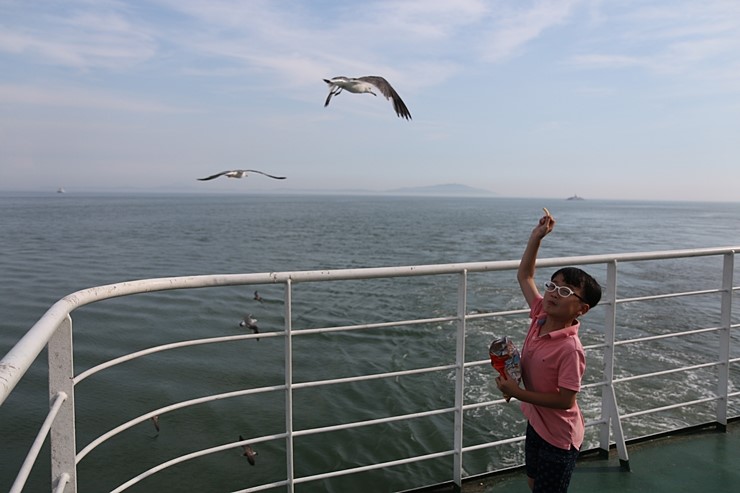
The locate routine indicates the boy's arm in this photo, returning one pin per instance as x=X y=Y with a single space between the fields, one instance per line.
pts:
x=562 y=399
x=525 y=274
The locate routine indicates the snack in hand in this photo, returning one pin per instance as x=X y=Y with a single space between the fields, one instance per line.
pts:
x=505 y=359
x=547 y=213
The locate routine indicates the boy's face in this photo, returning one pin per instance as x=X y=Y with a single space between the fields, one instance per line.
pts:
x=567 y=308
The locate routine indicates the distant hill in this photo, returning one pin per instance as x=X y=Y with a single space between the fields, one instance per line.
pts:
x=449 y=189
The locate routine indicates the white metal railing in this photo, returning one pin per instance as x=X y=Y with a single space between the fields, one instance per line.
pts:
x=54 y=330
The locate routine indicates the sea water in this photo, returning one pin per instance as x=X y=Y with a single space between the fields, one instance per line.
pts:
x=55 y=244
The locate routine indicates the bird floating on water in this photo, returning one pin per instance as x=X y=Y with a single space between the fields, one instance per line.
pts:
x=367 y=84
x=249 y=452
x=258 y=297
x=239 y=173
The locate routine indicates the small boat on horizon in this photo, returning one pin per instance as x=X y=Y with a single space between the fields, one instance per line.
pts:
x=575 y=197
x=61 y=190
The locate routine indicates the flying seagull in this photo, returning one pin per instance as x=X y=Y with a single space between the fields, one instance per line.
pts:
x=239 y=173
x=367 y=84
x=155 y=420
x=249 y=452
x=251 y=323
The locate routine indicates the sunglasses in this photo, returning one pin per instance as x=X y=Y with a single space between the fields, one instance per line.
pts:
x=563 y=291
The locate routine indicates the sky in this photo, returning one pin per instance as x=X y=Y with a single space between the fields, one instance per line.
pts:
x=605 y=99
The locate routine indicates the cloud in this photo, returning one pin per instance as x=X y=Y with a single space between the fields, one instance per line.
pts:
x=79 y=98
x=77 y=38
x=676 y=39
x=514 y=28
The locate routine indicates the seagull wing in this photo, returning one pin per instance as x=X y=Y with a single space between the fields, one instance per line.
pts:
x=328 y=98
x=387 y=90
x=263 y=173
x=214 y=176
x=333 y=90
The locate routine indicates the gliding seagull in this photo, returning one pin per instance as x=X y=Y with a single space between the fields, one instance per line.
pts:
x=239 y=173
x=367 y=84
x=249 y=452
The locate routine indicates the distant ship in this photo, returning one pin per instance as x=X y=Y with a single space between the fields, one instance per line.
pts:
x=574 y=197
x=61 y=190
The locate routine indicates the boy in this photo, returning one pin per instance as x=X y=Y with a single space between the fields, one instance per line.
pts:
x=553 y=362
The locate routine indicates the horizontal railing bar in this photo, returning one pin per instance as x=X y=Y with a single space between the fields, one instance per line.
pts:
x=669 y=407
x=92 y=445
x=157 y=412
x=476 y=405
x=262 y=487
x=319 y=430
x=380 y=465
x=473 y=316
x=345 y=328
x=595 y=422
x=213 y=340
x=586 y=386
x=667 y=336
x=668 y=295
x=477 y=363
x=358 y=424
x=419 y=321
x=33 y=453
x=599 y=345
x=164 y=347
x=335 y=428
x=505 y=441
x=667 y=372
x=318 y=383
x=193 y=455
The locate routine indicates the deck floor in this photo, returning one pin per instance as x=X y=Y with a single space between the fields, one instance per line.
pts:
x=699 y=461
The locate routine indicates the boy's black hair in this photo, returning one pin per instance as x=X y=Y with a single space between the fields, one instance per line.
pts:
x=581 y=279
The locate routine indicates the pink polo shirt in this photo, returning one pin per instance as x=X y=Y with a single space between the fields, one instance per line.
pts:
x=555 y=360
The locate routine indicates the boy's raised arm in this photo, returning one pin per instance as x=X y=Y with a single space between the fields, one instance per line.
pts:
x=525 y=274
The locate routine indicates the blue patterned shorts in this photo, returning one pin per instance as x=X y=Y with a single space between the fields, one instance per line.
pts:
x=550 y=467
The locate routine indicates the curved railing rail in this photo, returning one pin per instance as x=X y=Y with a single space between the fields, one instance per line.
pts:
x=54 y=330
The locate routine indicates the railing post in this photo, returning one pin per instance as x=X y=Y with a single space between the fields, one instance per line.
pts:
x=723 y=376
x=609 y=408
x=62 y=434
x=289 y=385
x=460 y=378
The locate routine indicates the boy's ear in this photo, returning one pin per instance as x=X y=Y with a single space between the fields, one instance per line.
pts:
x=585 y=308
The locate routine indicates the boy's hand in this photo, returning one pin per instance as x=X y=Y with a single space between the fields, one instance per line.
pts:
x=543 y=228
x=507 y=386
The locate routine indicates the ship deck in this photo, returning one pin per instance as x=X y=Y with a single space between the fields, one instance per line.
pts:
x=696 y=460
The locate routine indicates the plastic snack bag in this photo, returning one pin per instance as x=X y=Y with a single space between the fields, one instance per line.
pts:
x=505 y=359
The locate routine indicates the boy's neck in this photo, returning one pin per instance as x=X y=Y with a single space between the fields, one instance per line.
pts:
x=552 y=324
